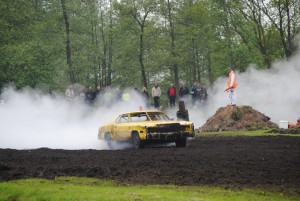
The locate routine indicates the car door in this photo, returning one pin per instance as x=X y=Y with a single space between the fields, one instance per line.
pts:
x=121 y=127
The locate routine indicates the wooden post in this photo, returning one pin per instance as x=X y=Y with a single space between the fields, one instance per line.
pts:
x=182 y=114
x=181 y=106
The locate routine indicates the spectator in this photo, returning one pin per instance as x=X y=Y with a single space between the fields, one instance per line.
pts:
x=89 y=96
x=183 y=91
x=203 y=94
x=125 y=96
x=156 y=93
x=231 y=83
x=70 y=94
x=194 y=93
x=98 y=95
x=51 y=94
x=98 y=91
x=135 y=88
x=172 y=95
x=118 y=94
x=81 y=97
x=135 y=92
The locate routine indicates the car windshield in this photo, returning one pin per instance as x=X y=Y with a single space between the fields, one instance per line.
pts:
x=136 y=117
x=157 y=116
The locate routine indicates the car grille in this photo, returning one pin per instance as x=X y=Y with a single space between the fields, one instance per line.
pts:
x=165 y=128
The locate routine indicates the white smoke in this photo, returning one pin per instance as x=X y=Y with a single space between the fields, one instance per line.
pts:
x=273 y=92
x=30 y=120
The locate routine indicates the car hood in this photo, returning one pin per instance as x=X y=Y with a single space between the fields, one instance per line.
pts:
x=152 y=123
x=156 y=123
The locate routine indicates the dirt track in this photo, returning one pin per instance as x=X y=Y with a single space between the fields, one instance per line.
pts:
x=220 y=161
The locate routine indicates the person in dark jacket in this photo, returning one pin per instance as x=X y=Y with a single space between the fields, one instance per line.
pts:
x=194 y=93
x=203 y=94
x=89 y=96
x=172 y=95
x=184 y=91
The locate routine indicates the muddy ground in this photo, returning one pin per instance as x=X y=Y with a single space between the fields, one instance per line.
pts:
x=219 y=161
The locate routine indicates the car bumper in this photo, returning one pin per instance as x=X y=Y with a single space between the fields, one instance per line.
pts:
x=169 y=135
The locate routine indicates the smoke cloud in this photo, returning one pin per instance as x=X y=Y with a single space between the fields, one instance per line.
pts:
x=30 y=119
x=273 y=92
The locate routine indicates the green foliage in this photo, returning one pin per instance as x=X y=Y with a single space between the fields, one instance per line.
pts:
x=266 y=132
x=105 y=41
x=237 y=114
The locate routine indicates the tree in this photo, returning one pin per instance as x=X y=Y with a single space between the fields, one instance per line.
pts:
x=68 y=45
x=285 y=16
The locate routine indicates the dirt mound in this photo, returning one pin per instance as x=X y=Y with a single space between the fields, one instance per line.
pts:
x=232 y=118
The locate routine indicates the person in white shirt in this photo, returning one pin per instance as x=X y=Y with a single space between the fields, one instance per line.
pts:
x=156 y=93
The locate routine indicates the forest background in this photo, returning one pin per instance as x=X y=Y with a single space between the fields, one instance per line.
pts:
x=54 y=43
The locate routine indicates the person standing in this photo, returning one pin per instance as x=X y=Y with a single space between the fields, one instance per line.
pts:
x=231 y=83
x=183 y=91
x=81 y=97
x=125 y=96
x=172 y=95
x=89 y=96
x=98 y=92
x=70 y=94
x=194 y=93
x=51 y=94
x=203 y=95
x=156 y=93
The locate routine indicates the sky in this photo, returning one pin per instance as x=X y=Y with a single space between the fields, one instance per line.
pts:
x=30 y=119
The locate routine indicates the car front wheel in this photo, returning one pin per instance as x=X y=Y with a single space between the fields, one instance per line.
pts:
x=109 y=141
x=137 y=142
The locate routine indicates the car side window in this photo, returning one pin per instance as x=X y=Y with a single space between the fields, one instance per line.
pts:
x=124 y=118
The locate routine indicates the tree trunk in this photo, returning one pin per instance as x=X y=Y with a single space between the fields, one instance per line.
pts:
x=142 y=55
x=210 y=68
x=173 y=52
x=68 y=46
x=103 y=59
x=141 y=23
x=195 y=55
x=110 y=55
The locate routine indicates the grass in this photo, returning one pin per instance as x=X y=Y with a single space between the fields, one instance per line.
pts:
x=244 y=133
x=74 y=188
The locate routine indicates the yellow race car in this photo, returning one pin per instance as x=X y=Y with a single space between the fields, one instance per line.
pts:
x=144 y=127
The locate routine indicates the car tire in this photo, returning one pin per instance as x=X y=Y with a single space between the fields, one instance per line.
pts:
x=181 y=142
x=183 y=115
x=137 y=142
x=109 y=141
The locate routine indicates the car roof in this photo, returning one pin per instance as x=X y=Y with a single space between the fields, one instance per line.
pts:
x=143 y=111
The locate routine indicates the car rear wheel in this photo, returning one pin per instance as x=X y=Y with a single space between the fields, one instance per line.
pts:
x=109 y=141
x=181 y=142
x=137 y=142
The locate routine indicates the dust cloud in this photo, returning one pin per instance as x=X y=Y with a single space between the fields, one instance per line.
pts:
x=30 y=119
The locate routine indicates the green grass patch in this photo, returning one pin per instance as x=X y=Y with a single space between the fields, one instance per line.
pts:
x=73 y=188
x=245 y=133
